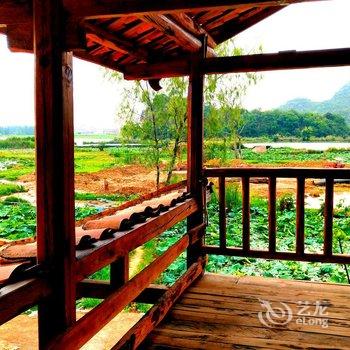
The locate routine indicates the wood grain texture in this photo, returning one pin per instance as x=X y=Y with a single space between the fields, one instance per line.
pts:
x=105 y=252
x=54 y=168
x=137 y=334
x=111 y=8
x=300 y=216
x=221 y=312
x=18 y=297
x=195 y=137
x=97 y=318
x=272 y=214
x=243 y=64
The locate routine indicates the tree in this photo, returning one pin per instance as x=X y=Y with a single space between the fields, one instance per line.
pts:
x=160 y=119
x=224 y=95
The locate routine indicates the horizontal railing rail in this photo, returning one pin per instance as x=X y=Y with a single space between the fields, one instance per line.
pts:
x=300 y=174
x=120 y=290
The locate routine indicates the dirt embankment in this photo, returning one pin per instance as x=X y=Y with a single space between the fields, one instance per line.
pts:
x=125 y=180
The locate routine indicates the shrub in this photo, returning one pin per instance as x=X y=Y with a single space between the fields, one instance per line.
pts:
x=286 y=203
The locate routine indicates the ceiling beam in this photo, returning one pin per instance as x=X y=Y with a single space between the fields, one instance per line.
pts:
x=187 y=23
x=172 y=30
x=112 y=8
x=243 y=64
x=20 y=11
x=15 y=12
x=115 y=42
x=234 y=27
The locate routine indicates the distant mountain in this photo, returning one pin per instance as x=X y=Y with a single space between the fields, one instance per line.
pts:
x=338 y=104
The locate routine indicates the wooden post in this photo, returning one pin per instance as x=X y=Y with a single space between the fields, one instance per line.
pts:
x=272 y=215
x=300 y=224
x=195 y=138
x=54 y=168
x=222 y=212
x=119 y=273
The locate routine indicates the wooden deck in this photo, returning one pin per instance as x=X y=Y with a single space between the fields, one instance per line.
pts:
x=222 y=312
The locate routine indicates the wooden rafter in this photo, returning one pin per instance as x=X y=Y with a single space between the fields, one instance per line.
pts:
x=115 y=42
x=15 y=12
x=242 y=64
x=234 y=27
x=112 y=8
x=183 y=38
x=186 y=22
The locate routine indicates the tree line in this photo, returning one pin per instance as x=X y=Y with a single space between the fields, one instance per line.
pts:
x=291 y=123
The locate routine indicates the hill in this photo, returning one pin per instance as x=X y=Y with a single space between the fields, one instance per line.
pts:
x=338 y=104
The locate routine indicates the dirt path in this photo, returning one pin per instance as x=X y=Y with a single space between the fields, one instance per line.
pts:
x=135 y=261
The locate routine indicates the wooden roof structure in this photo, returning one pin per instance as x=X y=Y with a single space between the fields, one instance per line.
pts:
x=144 y=40
x=124 y=34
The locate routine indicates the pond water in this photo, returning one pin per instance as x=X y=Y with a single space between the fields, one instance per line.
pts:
x=317 y=146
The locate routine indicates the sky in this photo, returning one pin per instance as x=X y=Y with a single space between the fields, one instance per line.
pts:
x=305 y=26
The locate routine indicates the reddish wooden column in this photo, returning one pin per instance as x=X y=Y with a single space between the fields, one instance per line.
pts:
x=54 y=168
x=195 y=139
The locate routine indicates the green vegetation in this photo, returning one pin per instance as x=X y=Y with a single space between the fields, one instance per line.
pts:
x=18 y=218
x=82 y=196
x=16 y=163
x=17 y=143
x=290 y=123
x=8 y=188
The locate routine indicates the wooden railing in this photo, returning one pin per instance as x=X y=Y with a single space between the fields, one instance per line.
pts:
x=121 y=290
x=245 y=174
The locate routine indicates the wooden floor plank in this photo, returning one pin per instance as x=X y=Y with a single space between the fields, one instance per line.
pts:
x=222 y=312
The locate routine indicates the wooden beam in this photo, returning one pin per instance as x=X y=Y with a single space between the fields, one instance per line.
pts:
x=195 y=137
x=291 y=256
x=187 y=23
x=18 y=297
x=98 y=317
x=236 y=26
x=114 y=42
x=54 y=169
x=111 y=8
x=102 y=289
x=243 y=64
x=20 y=37
x=15 y=12
x=119 y=271
x=311 y=173
x=172 y=30
x=138 y=333
x=91 y=260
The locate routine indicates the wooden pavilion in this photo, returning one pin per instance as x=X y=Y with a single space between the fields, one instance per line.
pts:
x=153 y=40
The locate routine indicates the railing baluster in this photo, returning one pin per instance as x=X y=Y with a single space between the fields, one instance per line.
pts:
x=328 y=218
x=272 y=214
x=246 y=213
x=300 y=223
x=222 y=212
